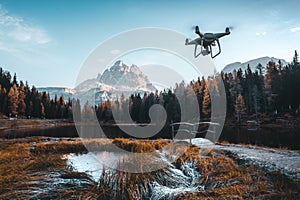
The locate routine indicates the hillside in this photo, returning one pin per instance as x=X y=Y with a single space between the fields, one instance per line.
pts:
x=252 y=63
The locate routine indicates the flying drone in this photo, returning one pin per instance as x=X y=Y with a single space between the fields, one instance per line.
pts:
x=206 y=41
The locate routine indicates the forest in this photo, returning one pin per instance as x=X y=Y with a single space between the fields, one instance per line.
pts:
x=268 y=93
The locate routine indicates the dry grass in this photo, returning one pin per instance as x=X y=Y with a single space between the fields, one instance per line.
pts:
x=140 y=146
x=25 y=162
x=16 y=165
x=62 y=147
x=223 y=178
x=24 y=165
x=121 y=185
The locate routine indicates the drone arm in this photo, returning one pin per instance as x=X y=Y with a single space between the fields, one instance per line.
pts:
x=219 y=35
x=195 y=52
x=197 y=31
x=218 y=52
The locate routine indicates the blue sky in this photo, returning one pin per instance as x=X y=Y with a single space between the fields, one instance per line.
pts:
x=45 y=42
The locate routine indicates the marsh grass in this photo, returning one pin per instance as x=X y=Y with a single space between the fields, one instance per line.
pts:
x=221 y=176
x=25 y=165
x=224 y=178
x=140 y=146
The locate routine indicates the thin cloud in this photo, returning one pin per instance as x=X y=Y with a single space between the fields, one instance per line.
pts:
x=261 y=33
x=15 y=30
x=295 y=29
x=115 y=51
x=274 y=12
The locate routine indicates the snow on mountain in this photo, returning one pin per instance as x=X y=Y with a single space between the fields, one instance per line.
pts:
x=114 y=81
x=58 y=91
x=252 y=63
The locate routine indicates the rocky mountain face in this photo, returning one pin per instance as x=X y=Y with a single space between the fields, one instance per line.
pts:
x=119 y=77
x=114 y=81
x=252 y=63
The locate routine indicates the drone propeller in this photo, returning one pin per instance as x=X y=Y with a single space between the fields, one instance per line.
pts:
x=231 y=28
x=228 y=29
x=193 y=27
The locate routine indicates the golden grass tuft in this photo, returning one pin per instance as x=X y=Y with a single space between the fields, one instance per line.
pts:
x=223 y=178
x=139 y=146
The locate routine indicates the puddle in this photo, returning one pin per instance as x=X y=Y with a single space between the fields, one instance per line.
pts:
x=93 y=163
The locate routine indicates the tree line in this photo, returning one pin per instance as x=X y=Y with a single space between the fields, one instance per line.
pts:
x=268 y=91
x=19 y=100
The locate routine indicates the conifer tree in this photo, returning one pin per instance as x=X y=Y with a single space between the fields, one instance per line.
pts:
x=3 y=100
x=271 y=90
x=240 y=108
x=206 y=104
x=12 y=101
x=21 y=99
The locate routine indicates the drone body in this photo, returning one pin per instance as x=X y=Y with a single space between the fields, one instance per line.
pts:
x=206 y=41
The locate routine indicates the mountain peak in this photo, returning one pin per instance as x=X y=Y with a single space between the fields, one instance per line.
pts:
x=119 y=63
x=118 y=66
x=117 y=79
x=136 y=70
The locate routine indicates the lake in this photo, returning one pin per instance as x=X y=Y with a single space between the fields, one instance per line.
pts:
x=263 y=136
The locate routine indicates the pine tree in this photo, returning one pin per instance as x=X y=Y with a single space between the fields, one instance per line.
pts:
x=12 y=102
x=77 y=110
x=240 y=108
x=46 y=103
x=272 y=86
x=15 y=80
x=230 y=96
x=87 y=111
x=42 y=110
x=296 y=58
x=3 y=100
x=21 y=99
x=260 y=69
x=172 y=107
x=206 y=104
x=61 y=108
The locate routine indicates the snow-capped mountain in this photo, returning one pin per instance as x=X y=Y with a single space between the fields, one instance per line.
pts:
x=58 y=91
x=114 y=81
x=119 y=77
x=252 y=63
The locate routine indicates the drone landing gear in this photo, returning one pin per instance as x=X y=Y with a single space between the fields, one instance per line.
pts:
x=208 y=50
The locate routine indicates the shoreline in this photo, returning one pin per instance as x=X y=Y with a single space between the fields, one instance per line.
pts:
x=17 y=124
x=18 y=128
x=32 y=124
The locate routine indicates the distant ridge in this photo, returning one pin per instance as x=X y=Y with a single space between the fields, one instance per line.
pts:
x=58 y=91
x=252 y=63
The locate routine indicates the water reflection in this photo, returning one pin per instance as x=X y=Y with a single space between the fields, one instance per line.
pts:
x=263 y=136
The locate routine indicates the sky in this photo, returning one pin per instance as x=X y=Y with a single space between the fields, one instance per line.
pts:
x=46 y=42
